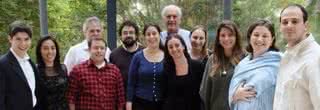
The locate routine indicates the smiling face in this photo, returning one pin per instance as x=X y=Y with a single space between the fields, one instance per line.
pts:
x=227 y=38
x=48 y=51
x=261 y=39
x=292 y=25
x=97 y=51
x=152 y=37
x=128 y=36
x=175 y=48
x=198 y=39
x=172 y=20
x=20 y=43
x=94 y=30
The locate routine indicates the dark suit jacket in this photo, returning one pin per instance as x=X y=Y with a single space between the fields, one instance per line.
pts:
x=15 y=93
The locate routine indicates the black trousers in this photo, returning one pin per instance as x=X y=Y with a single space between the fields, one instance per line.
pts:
x=142 y=104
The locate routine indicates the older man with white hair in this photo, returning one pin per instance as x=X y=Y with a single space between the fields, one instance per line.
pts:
x=78 y=53
x=171 y=15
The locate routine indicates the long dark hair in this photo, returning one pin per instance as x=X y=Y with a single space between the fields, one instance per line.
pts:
x=219 y=58
x=40 y=61
x=168 y=60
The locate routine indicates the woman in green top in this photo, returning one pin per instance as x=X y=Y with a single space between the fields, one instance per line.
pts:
x=219 y=68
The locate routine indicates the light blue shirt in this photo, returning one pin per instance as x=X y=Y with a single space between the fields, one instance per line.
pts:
x=185 y=34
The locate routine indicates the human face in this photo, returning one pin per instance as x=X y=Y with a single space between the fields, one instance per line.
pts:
x=227 y=38
x=48 y=51
x=93 y=31
x=97 y=51
x=20 y=43
x=128 y=36
x=175 y=48
x=292 y=26
x=172 y=20
x=198 y=39
x=260 y=40
x=152 y=37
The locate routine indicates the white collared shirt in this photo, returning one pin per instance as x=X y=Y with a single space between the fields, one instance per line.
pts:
x=185 y=34
x=101 y=65
x=80 y=53
x=28 y=73
x=298 y=83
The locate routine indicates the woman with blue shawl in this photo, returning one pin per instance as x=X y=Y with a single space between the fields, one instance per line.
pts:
x=258 y=71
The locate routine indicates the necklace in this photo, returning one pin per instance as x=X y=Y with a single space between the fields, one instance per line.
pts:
x=223 y=73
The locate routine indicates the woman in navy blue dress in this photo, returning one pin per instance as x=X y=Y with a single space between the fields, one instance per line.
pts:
x=144 y=91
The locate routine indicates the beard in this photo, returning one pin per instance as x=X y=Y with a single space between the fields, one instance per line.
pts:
x=129 y=41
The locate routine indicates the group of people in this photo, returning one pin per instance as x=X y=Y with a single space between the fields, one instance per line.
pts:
x=174 y=70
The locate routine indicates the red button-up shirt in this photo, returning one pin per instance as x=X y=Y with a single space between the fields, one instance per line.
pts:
x=91 y=88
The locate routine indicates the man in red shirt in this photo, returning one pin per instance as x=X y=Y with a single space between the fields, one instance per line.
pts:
x=96 y=84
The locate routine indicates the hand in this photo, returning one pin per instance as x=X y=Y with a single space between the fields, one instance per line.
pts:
x=129 y=106
x=243 y=93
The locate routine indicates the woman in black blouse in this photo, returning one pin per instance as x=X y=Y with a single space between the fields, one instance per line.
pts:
x=183 y=76
x=53 y=74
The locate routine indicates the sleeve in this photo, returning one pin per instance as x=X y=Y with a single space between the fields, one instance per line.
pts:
x=69 y=59
x=120 y=90
x=2 y=90
x=132 y=77
x=205 y=87
x=74 y=86
x=313 y=75
x=64 y=69
x=112 y=57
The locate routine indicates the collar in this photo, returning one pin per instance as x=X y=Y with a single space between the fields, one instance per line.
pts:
x=295 y=50
x=90 y=63
x=84 y=45
x=25 y=57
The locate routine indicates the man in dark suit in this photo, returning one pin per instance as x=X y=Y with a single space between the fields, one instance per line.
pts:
x=19 y=79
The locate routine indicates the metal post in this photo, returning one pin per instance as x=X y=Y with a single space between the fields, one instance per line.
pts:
x=112 y=23
x=227 y=9
x=43 y=17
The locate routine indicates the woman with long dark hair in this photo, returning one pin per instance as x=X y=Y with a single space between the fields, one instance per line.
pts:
x=227 y=53
x=183 y=76
x=53 y=74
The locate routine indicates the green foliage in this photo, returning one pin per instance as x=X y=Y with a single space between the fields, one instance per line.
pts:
x=65 y=17
x=11 y=10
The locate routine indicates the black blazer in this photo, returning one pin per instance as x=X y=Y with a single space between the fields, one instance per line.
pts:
x=15 y=93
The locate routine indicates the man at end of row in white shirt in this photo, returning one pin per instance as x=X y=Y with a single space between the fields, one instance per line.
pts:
x=298 y=83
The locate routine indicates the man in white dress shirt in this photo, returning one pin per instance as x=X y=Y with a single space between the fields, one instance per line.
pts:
x=171 y=16
x=80 y=52
x=298 y=83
